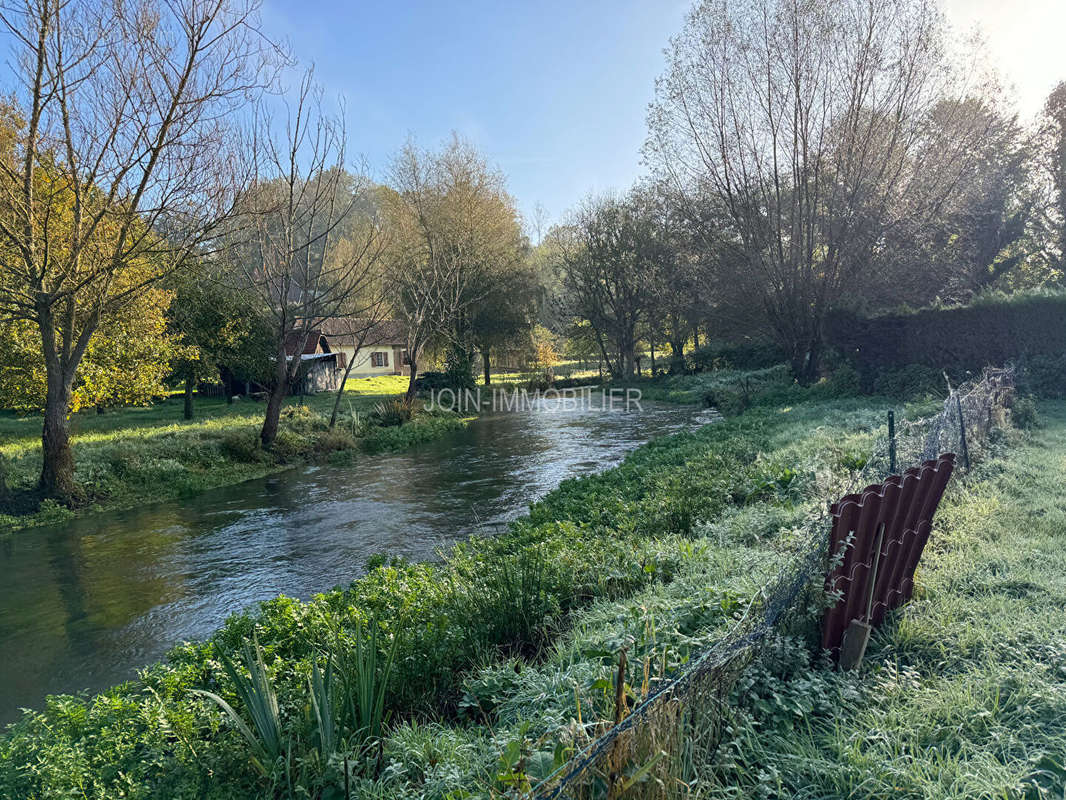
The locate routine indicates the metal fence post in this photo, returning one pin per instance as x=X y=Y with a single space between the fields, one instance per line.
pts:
x=891 y=442
x=962 y=434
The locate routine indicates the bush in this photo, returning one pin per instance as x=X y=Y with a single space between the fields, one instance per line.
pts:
x=432 y=382
x=1023 y=413
x=1043 y=375
x=290 y=446
x=242 y=446
x=992 y=330
x=912 y=380
x=748 y=355
x=334 y=441
x=392 y=412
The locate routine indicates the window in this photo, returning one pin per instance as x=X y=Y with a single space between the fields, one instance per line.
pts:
x=379 y=359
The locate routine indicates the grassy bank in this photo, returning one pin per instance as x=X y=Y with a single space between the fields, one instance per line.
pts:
x=129 y=456
x=493 y=650
x=963 y=693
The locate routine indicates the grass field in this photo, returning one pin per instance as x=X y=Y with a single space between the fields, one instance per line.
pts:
x=963 y=693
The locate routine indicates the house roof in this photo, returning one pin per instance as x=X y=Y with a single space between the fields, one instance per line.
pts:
x=315 y=343
x=343 y=332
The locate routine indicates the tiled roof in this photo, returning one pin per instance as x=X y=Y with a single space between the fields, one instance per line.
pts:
x=343 y=332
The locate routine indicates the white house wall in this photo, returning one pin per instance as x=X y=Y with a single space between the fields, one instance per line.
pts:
x=362 y=367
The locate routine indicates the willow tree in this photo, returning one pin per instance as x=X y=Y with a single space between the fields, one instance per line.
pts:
x=810 y=123
x=455 y=240
x=118 y=169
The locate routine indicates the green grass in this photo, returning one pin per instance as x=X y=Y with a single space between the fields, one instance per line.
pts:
x=128 y=456
x=502 y=647
x=963 y=693
x=493 y=646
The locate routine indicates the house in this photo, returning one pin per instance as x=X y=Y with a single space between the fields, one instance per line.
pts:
x=384 y=350
x=321 y=368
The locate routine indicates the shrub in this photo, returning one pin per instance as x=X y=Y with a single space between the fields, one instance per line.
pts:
x=290 y=446
x=748 y=355
x=1044 y=375
x=242 y=446
x=301 y=419
x=912 y=380
x=1023 y=413
x=334 y=441
x=392 y=412
x=992 y=330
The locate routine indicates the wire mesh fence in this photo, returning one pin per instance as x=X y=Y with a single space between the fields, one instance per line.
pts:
x=654 y=751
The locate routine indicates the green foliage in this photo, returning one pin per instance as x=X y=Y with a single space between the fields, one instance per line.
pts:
x=126 y=363
x=259 y=698
x=995 y=329
x=392 y=412
x=748 y=355
x=962 y=693
x=605 y=561
x=1044 y=375
x=1023 y=413
x=911 y=380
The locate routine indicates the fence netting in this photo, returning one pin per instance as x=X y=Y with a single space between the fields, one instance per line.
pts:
x=654 y=751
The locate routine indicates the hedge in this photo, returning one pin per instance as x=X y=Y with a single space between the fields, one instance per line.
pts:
x=1018 y=329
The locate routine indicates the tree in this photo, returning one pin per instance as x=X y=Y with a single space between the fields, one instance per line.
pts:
x=302 y=261
x=214 y=323
x=1053 y=136
x=127 y=361
x=455 y=238
x=610 y=254
x=978 y=237
x=506 y=314
x=118 y=170
x=809 y=123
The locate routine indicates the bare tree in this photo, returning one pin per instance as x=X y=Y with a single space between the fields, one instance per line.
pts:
x=809 y=121
x=120 y=168
x=303 y=260
x=454 y=235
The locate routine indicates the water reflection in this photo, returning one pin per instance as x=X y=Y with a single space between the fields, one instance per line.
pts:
x=84 y=604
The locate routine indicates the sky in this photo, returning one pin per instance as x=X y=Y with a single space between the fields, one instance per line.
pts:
x=1026 y=42
x=556 y=93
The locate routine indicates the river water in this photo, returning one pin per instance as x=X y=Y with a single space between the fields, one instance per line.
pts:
x=84 y=604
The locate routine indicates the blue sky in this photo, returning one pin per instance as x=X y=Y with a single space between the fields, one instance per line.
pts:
x=554 y=93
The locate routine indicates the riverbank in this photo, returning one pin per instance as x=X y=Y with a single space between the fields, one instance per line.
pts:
x=532 y=613
x=130 y=456
x=964 y=694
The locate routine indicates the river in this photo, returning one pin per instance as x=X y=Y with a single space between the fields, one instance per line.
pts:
x=86 y=603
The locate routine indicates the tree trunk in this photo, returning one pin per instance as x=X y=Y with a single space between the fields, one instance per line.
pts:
x=410 y=396
x=653 y=359
x=814 y=362
x=488 y=369
x=677 y=356
x=269 y=431
x=628 y=358
x=344 y=383
x=190 y=385
x=57 y=470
